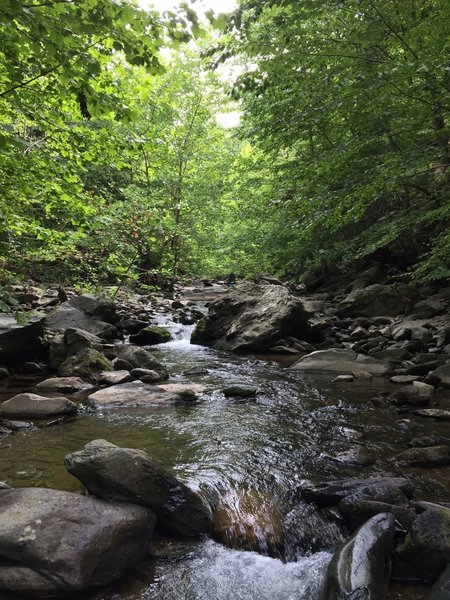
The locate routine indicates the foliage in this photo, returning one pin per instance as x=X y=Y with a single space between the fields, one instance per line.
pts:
x=350 y=102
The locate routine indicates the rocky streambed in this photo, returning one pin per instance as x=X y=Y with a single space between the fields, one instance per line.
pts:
x=291 y=473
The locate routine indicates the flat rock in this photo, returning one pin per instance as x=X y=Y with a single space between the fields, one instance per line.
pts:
x=403 y=379
x=133 y=394
x=344 y=361
x=131 y=475
x=33 y=406
x=54 y=542
x=65 y=384
x=433 y=413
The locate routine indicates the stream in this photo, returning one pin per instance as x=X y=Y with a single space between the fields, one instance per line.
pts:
x=300 y=428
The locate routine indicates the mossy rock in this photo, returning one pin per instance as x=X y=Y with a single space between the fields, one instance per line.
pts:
x=150 y=335
x=426 y=549
x=85 y=363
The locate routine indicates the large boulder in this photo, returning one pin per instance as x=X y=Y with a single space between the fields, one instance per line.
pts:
x=85 y=363
x=251 y=318
x=151 y=334
x=341 y=360
x=360 y=570
x=441 y=589
x=130 y=475
x=378 y=300
x=68 y=316
x=20 y=342
x=441 y=375
x=426 y=548
x=30 y=406
x=54 y=542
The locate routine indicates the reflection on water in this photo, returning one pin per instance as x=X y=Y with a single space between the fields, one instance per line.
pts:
x=292 y=433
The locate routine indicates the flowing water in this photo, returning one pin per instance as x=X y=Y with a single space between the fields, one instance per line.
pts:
x=300 y=428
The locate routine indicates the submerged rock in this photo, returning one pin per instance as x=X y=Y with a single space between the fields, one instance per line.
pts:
x=360 y=570
x=241 y=391
x=344 y=361
x=130 y=475
x=251 y=318
x=33 y=406
x=432 y=456
x=54 y=542
x=249 y=520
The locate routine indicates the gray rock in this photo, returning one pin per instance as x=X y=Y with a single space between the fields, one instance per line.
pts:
x=441 y=375
x=417 y=394
x=378 y=300
x=327 y=494
x=441 y=589
x=392 y=354
x=4 y=373
x=139 y=358
x=343 y=379
x=66 y=316
x=360 y=570
x=430 y=307
x=146 y=375
x=251 y=318
x=54 y=542
x=33 y=368
x=33 y=406
x=426 y=548
x=97 y=307
x=133 y=394
x=428 y=457
x=357 y=513
x=344 y=361
x=20 y=342
x=66 y=385
x=113 y=377
x=129 y=475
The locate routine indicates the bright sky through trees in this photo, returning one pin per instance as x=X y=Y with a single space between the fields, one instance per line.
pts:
x=218 y=6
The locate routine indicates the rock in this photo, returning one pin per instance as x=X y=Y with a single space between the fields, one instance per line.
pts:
x=21 y=342
x=146 y=375
x=66 y=385
x=113 y=377
x=134 y=394
x=441 y=589
x=131 y=325
x=430 y=307
x=403 y=379
x=432 y=456
x=249 y=520
x=242 y=391
x=362 y=375
x=97 y=307
x=355 y=457
x=4 y=373
x=412 y=329
x=66 y=316
x=378 y=300
x=357 y=513
x=54 y=542
x=341 y=360
x=327 y=494
x=129 y=475
x=251 y=318
x=307 y=530
x=361 y=568
x=150 y=335
x=33 y=368
x=139 y=358
x=433 y=413
x=392 y=354
x=426 y=548
x=86 y=363
x=424 y=441
x=441 y=375
x=343 y=379
x=16 y=425
x=417 y=394
x=33 y=406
